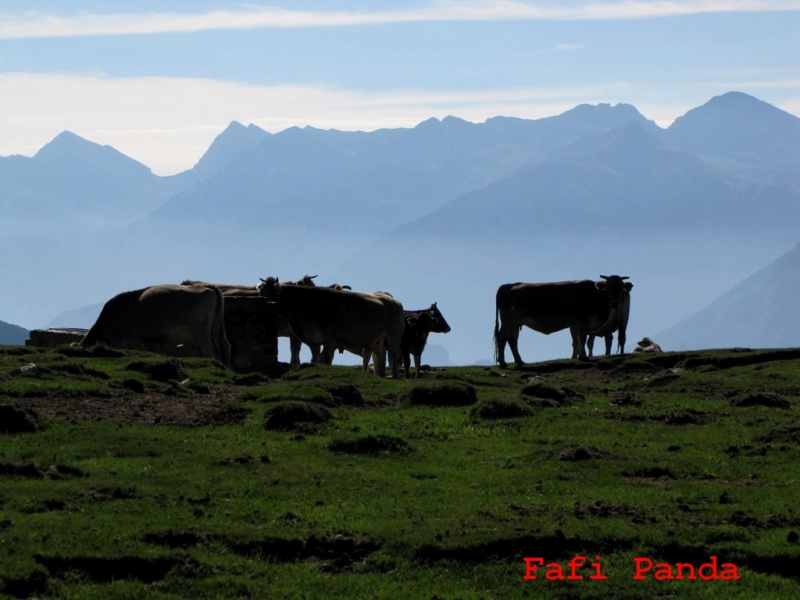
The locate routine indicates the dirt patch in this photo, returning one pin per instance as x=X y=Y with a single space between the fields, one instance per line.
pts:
x=34 y=471
x=543 y=391
x=579 y=453
x=500 y=408
x=106 y=570
x=650 y=473
x=765 y=399
x=125 y=406
x=443 y=394
x=688 y=416
x=606 y=510
x=337 y=552
x=513 y=548
x=372 y=445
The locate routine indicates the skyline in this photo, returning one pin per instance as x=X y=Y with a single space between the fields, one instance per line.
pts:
x=159 y=81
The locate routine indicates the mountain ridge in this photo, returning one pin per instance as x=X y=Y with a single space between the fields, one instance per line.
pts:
x=446 y=210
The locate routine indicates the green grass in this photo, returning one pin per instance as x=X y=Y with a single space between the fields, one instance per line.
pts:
x=153 y=477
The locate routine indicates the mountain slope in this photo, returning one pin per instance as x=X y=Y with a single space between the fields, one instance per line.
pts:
x=12 y=335
x=739 y=128
x=74 y=187
x=759 y=312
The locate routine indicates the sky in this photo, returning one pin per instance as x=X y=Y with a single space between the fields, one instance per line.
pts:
x=159 y=80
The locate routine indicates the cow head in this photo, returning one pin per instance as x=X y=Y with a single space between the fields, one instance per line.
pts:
x=307 y=280
x=420 y=322
x=438 y=324
x=270 y=288
x=615 y=287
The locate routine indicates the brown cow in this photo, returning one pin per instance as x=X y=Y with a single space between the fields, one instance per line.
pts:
x=340 y=319
x=621 y=327
x=178 y=320
x=582 y=306
x=283 y=329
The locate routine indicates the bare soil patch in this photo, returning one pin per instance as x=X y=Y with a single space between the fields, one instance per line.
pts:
x=197 y=410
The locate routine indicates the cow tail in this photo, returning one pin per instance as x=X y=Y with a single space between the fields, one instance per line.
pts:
x=496 y=327
x=218 y=330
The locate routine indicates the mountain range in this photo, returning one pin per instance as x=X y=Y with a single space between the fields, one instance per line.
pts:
x=445 y=211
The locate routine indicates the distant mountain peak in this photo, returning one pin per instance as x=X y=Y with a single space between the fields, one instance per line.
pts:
x=733 y=108
x=68 y=148
x=735 y=99
x=65 y=142
x=739 y=127
x=235 y=138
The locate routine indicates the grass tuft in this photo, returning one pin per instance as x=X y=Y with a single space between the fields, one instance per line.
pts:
x=442 y=394
x=294 y=414
x=500 y=408
x=18 y=419
x=372 y=445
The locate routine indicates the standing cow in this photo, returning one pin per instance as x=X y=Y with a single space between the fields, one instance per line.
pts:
x=419 y=323
x=620 y=327
x=178 y=320
x=582 y=306
x=338 y=319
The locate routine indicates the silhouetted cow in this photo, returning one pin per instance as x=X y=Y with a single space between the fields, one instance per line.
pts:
x=583 y=307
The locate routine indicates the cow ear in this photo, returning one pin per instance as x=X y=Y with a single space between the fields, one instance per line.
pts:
x=411 y=320
x=600 y=285
x=628 y=286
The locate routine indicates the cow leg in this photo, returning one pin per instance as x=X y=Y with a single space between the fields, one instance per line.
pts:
x=379 y=356
x=510 y=335
x=407 y=362
x=417 y=361
x=578 y=343
x=316 y=353
x=328 y=351
x=621 y=338
x=609 y=343
x=589 y=345
x=366 y=354
x=395 y=357
x=294 y=346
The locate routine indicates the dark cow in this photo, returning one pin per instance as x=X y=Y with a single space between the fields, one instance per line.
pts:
x=178 y=320
x=582 y=306
x=419 y=323
x=283 y=329
x=340 y=319
x=621 y=327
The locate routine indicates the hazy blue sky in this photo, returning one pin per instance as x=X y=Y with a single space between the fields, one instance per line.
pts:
x=159 y=80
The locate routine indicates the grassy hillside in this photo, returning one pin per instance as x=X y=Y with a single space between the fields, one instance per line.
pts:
x=131 y=475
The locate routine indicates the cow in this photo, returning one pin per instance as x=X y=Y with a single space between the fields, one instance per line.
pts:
x=283 y=329
x=418 y=324
x=647 y=345
x=340 y=319
x=178 y=320
x=621 y=327
x=582 y=306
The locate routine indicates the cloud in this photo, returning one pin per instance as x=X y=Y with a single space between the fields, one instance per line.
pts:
x=33 y=24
